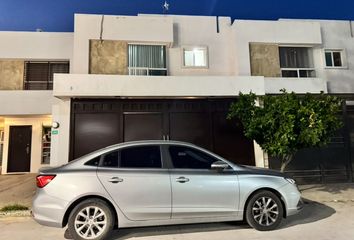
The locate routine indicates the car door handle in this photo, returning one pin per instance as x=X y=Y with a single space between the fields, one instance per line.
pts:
x=182 y=180
x=115 y=180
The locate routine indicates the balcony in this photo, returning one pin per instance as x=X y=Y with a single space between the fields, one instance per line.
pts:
x=91 y=85
x=298 y=85
x=145 y=71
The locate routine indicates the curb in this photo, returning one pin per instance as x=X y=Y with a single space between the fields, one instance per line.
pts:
x=26 y=213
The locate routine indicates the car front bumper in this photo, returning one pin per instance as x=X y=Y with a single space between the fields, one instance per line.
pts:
x=292 y=199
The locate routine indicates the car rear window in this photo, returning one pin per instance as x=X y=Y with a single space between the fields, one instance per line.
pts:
x=140 y=157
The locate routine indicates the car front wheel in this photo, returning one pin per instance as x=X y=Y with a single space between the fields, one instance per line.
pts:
x=264 y=211
x=91 y=219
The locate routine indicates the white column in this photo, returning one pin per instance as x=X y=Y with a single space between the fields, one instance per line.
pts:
x=60 y=136
x=259 y=154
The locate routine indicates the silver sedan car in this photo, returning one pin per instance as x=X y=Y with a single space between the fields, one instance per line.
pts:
x=151 y=183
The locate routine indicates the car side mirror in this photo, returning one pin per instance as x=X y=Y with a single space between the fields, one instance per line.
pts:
x=219 y=165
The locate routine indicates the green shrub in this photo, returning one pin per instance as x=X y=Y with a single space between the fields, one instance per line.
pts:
x=13 y=207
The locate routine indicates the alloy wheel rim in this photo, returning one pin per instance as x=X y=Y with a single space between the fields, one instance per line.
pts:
x=265 y=211
x=90 y=222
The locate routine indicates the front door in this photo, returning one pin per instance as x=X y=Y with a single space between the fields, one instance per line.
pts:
x=198 y=191
x=19 y=157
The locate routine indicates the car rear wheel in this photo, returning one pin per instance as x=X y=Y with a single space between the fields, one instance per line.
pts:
x=91 y=219
x=264 y=211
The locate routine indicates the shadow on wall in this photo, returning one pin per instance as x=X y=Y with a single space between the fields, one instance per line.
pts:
x=312 y=212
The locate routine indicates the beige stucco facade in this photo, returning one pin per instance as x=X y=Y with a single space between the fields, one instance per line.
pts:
x=264 y=59
x=108 y=57
x=11 y=74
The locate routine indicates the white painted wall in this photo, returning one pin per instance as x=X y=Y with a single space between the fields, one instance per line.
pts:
x=36 y=45
x=195 y=31
x=83 y=85
x=336 y=35
x=36 y=145
x=298 y=85
x=25 y=102
x=60 y=142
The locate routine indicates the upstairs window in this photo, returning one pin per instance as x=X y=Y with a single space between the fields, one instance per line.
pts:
x=334 y=58
x=296 y=62
x=40 y=75
x=195 y=57
x=148 y=60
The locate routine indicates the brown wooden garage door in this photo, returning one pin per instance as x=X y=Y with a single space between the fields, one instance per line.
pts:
x=100 y=123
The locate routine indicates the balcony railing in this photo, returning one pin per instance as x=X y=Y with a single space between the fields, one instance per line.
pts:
x=145 y=71
x=38 y=85
x=298 y=72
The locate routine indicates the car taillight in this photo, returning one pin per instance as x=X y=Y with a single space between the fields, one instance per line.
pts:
x=43 y=180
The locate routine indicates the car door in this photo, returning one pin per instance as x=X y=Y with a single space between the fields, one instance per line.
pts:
x=136 y=180
x=197 y=190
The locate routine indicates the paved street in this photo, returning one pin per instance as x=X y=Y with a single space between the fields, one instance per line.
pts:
x=328 y=220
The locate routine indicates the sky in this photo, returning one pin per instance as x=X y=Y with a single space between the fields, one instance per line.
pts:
x=58 y=15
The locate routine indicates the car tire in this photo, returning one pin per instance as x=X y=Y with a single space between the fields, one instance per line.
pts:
x=264 y=211
x=91 y=219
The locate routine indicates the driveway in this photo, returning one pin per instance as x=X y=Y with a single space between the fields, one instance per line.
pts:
x=329 y=220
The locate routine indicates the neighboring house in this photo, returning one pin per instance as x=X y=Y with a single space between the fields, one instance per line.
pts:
x=166 y=77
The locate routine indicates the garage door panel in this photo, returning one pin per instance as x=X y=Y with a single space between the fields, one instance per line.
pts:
x=191 y=127
x=94 y=131
x=230 y=142
x=143 y=126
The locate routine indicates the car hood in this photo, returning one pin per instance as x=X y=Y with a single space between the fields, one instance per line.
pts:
x=259 y=171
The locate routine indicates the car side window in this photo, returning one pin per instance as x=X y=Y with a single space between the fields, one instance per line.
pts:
x=110 y=160
x=190 y=158
x=140 y=157
x=93 y=162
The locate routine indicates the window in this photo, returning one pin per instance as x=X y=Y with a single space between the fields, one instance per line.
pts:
x=140 y=157
x=39 y=75
x=189 y=158
x=334 y=58
x=46 y=141
x=195 y=57
x=147 y=60
x=296 y=62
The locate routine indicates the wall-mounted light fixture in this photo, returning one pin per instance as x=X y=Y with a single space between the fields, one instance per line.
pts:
x=55 y=125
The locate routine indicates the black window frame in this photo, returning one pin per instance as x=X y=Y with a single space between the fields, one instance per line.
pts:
x=47 y=83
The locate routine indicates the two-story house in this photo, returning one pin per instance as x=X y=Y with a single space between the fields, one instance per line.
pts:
x=125 y=78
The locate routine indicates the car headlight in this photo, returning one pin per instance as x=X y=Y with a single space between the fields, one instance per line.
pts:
x=290 y=180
